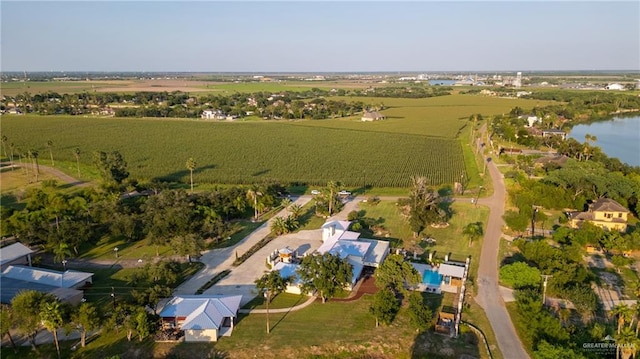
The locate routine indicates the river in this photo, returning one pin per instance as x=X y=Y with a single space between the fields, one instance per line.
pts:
x=618 y=137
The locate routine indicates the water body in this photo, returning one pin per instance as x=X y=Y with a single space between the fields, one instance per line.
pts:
x=442 y=82
x=619 y=137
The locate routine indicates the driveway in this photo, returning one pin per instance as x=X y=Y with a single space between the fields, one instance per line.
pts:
x=218 y=260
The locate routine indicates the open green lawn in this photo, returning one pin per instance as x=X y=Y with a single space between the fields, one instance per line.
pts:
x=448 y=240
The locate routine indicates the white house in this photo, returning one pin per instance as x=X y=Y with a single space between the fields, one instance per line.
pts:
x=213 y=115
x=618 y=87
x=531 y=120
x=338 y=240
x=372 y=116
x=203 y=318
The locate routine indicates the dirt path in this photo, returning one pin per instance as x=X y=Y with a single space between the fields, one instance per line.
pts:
x=57 y=173
x=489 y=297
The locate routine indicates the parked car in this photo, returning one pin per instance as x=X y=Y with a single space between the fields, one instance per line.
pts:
x=344 y=193
x=315 y=192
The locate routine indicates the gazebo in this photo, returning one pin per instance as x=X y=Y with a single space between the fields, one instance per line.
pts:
x=287 y=255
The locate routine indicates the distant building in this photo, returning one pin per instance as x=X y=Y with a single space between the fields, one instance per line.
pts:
x=372 y=116
x=550 y=133
x=605 y=213
x=213 y=115
x=617 y=87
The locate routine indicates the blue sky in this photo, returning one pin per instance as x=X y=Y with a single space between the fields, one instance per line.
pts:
x=319 y=36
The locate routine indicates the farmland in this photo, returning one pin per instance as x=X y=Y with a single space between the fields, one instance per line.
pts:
x=245 y=152
x=419 y=137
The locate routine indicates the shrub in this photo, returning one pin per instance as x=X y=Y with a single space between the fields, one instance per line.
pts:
x=519 y=275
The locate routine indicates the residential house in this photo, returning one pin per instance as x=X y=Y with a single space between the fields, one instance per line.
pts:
x=372 y=116
x=213 y=115
x=338 y=240
x=615 y=86
x=552 y=132
x=66 y=286
x=203 y=318
x=605 y=213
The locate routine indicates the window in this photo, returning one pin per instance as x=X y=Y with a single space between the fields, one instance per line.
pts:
x=608 y=215
x=619 y=214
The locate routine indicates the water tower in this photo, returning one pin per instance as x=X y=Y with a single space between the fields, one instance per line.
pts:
x=518 y=82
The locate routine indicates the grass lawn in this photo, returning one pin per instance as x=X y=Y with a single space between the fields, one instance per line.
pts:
x=521 y=327
x=282 y=300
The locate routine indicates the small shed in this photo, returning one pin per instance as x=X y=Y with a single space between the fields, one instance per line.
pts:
x=16 y=253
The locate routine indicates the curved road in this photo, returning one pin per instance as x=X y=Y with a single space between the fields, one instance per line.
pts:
x=489 y=297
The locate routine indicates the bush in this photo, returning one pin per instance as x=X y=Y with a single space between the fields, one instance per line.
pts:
x=519 y=275
x=352 y=216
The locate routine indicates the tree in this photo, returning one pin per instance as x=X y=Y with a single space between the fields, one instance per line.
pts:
x=187 y=245
x=419 y=312
x=7 y=322
x=51 y=313
x=191 y=165
x=545 y=350
x=279 y=226
x=385 y=306
x=4 y=145
x=272 y=283
x=112 y=167
x=76 y=154
x=86 y=318
x=326 y=274
x=252 y=195
x=142 y=323
x=520 y=275
x=626 y=343
x=50 y=147
x=26 y=306
x=296 y=210
x=624 y=314
x=34 y=155
x=473 y=231
x=424 y=206
x=395 y=272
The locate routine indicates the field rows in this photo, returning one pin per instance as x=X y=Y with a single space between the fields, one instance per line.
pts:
x=244 y=152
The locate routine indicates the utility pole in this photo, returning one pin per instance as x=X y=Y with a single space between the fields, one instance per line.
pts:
x=544 y=287
x=267 y=295
x=478 y=195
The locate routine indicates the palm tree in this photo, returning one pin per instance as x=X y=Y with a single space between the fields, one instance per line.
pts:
x=34 y=155
x=279 y=226
x=12 y=146
x=252 y=195
x=624 y=314
x=587 y=145
x=50 y=147
x=473 y=231
x=332 y=187
x=285 y=203
x=296 y=210
x=51 y=315
x=191 y=165
x=76 y=153
x=4 y=145
x=627 y=343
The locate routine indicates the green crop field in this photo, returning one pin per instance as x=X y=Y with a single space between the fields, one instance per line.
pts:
x=441 y=116
x=244 y=152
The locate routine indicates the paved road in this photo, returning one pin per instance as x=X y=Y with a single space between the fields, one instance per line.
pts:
x=489 y=297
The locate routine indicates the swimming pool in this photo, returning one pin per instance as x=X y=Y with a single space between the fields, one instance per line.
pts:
x=431 y=278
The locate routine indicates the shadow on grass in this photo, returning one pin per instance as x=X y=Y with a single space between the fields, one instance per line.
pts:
x=179 y=175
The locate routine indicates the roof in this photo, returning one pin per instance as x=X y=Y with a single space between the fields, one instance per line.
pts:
x=607 y=205
x=53 y=278
x=285 y=250
x=11 y=287
x=288 y=270
x=347 y=248
x=13 y=252
x=202 y=311
x=373 y=114
x=377 y=251
x=451 y=270
x=338 y=225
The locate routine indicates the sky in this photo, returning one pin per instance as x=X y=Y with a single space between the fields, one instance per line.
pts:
x=329 y=36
